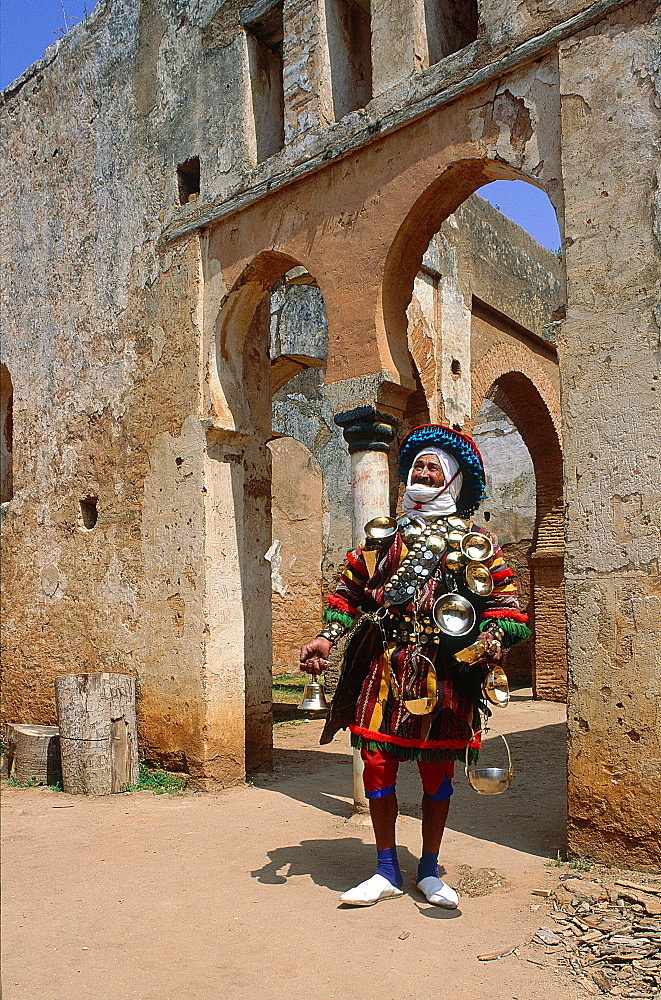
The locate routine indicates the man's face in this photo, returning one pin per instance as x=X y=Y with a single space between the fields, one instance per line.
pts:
x=427 y=471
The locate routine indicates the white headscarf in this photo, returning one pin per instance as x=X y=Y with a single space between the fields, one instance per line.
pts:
x=429 y=501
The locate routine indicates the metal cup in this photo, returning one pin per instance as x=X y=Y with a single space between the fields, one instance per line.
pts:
x=491 y=780
x=478 y=579
x=476 y=546
x=380 y=529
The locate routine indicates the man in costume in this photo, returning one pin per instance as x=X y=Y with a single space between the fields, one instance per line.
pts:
x=436 y=604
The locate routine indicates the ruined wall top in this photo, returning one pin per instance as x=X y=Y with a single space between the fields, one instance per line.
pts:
x=219 y=102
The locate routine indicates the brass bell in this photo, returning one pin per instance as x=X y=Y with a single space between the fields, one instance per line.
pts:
x=314 y=699
x=476 y=546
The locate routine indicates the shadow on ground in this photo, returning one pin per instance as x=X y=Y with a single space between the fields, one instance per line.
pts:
x=529 y=817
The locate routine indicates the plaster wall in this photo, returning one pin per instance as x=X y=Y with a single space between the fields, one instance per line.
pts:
x=610 y=361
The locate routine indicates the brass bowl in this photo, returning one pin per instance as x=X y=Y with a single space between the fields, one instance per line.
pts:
x=454 y=615
x=435 y=544
x=381 y=528
x=476 y=546
x=491 y=780
x=478 y=579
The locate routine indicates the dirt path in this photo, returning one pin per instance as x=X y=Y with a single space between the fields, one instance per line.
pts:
x=235 y=895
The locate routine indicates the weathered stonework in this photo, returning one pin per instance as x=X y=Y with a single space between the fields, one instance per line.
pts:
x=145 y=224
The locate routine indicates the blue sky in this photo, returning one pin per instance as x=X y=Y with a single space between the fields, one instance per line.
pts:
x=28 y=27
x=526 y=205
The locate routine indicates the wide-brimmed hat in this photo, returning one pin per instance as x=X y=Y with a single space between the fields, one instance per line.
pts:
x=461 y=447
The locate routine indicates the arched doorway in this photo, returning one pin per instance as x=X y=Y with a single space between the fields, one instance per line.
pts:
x=480 y=326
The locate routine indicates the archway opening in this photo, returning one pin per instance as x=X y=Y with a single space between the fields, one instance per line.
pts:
x=481 y=317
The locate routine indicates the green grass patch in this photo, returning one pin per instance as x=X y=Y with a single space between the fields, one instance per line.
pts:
x=152 y=779
x=34 y=782
x=288 y=689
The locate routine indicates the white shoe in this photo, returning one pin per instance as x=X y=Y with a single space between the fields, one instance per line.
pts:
x=371 y=891
x=438 y=893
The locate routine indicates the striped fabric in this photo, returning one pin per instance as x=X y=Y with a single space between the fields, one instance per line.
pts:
x=400 y=673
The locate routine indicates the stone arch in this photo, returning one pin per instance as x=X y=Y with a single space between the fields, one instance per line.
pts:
x=423 y=219
x=240 y=382
x=6 y=435
x=296 y=568
x=517 y=383
x=225 y=403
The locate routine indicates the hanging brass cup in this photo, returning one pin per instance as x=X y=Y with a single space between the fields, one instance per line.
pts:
x=381 y=529
x=478 y=579
x=454 y=615
x=491 y=780
x=454 y=561
x=476 y=546
x=496 y=687
x=455 y=538
x=461 y=523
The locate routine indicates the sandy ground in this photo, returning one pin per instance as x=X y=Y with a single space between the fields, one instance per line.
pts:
x=235 y=895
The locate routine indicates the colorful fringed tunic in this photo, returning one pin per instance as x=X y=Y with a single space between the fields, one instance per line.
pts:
x=396 y=663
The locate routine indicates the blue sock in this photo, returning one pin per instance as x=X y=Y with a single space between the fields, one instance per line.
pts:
x=388 y=866
x=428 y=865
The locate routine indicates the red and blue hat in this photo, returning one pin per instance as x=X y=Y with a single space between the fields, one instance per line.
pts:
x=461 y=447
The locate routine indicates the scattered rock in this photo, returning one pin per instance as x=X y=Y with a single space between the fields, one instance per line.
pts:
x=547 y=936
x=585 y=890
x=478 y=881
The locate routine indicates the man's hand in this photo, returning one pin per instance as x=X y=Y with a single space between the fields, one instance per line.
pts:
x=314 y=656
x=494 y=652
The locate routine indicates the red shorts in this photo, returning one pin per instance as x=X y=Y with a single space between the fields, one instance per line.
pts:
x=380 y=775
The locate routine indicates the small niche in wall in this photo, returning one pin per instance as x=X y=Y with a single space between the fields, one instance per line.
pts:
x=188 y=178
x=348 y=25
x=450 y=26
x=264 y=37
x=455 y=368
x=89 y=511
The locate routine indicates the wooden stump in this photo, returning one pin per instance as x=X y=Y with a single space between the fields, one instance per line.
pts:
x=98 y=735
x=33 y=754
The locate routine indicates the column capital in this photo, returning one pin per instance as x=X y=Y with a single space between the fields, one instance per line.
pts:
x=366 y=429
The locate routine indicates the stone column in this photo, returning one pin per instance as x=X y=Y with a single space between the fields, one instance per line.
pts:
x=306 y=71
x=399 y=44
x=368 y=432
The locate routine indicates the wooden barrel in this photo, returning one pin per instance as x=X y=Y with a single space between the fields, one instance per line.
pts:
x=98 y=733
